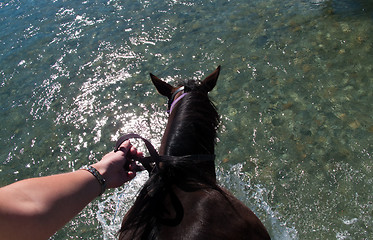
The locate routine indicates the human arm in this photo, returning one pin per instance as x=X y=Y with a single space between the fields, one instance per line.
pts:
x=36 y=208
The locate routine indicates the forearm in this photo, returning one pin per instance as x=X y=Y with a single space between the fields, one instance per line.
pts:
x=36 y=208
x=40 y=206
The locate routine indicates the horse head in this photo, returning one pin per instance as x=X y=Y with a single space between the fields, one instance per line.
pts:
x=193 y=119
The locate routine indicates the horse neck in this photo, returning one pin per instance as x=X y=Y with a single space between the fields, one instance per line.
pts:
x=191 y=128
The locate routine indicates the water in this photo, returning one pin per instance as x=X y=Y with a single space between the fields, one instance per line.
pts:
x=295 y=94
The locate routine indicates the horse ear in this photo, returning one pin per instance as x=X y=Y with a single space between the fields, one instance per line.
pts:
x=162 y=87
x=210 y=81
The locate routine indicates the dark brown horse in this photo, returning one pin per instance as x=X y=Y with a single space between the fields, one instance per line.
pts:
x=181 y=199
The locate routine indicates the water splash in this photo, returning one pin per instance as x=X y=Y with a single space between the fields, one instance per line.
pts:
x=255 y=196
x=111 y=211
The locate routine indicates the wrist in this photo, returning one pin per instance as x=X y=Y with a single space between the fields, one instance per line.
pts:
x=101 y=180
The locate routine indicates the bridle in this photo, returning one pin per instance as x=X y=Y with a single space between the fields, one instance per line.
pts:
x=151 y=163
x=172 y=102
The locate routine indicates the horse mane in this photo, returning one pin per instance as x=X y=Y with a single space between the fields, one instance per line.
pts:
x=193 y=132
x=194 y=127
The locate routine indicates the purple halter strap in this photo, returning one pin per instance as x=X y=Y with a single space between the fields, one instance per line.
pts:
x=174 y=102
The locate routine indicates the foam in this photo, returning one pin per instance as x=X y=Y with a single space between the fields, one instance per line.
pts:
x=111 y=211
x=256 y=198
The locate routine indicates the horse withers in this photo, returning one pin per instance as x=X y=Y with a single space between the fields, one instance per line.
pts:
x=182 y=199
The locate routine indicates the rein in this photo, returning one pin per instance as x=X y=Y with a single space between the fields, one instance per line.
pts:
x=154 y=156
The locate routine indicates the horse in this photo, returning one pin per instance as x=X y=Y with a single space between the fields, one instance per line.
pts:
x=182 y=199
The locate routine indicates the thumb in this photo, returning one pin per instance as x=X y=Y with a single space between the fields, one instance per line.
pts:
x=125 y=147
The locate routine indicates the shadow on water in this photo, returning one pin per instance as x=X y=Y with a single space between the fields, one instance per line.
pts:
x=347 y=8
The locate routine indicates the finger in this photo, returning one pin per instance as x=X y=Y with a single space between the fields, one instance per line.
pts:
x=135 y=153
x=136 y=167
x=130 y=166
x=130 y=175
x=125 y=146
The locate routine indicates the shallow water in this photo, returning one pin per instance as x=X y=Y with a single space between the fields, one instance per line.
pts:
x=294 y=94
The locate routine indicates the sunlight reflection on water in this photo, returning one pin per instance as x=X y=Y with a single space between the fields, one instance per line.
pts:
x=294 y=94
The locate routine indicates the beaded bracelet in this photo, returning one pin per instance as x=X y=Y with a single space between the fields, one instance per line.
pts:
x=98 y=176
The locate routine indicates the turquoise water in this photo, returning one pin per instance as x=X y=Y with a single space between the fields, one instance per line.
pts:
x=295 y=94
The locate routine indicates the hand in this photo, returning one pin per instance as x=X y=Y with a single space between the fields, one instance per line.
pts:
x=119 y=167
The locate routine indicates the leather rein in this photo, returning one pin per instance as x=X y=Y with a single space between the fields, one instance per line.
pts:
x=151 y=163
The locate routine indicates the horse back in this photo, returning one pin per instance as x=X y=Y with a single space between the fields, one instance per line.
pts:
x=213 y=214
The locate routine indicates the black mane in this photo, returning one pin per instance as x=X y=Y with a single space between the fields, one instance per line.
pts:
x=195 y=124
